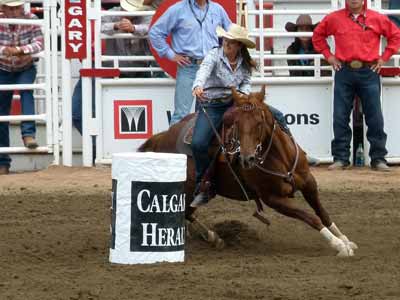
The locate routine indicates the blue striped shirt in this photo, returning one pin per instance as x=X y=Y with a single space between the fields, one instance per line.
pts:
x=216 y=76
x=182 y=20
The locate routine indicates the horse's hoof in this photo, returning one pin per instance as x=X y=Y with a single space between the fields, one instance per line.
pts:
x=348 y=243
x=211 y=236
x=219 y=244
x=346 y=252
x=352 y=245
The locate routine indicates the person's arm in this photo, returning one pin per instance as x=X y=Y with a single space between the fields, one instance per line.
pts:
x=204 y=72
x=245 y=85
x=226 y=22
x=142 y=29
x=392 y=34
x=36 y=43
x=160 y=31
x=320 y=34
x=109 y=23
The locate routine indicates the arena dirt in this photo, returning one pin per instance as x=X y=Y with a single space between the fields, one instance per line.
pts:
x=54 y=237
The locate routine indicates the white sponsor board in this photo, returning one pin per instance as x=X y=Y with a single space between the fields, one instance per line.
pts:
x=308 y=112
x=391 y=109
x=131 y=114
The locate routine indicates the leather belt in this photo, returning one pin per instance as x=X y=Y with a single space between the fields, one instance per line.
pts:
x=195 y=61
x=225 y=99
x=358 y=64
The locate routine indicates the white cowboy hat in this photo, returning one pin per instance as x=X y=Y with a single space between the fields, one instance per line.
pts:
x=237 y=33
x=12 y=2
x=135 y=5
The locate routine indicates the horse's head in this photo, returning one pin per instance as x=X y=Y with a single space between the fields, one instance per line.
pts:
x=250 y=124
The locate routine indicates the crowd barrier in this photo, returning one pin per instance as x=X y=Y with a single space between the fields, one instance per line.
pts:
x=128 y=110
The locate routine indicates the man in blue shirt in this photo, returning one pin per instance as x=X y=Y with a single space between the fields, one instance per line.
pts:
x=193 y=26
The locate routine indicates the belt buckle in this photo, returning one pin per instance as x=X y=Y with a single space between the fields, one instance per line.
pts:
x=356 y=64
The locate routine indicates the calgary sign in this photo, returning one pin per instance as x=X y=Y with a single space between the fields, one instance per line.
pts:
x=75 y=29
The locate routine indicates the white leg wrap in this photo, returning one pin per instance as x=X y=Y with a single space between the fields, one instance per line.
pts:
x=336 y=243
x=335 y=230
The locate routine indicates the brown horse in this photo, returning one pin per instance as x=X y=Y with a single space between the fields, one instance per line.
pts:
x=272 y=167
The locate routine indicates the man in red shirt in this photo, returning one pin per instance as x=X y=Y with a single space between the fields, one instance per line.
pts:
x=357 y=32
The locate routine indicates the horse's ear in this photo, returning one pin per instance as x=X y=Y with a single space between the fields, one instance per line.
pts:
x=237 y=97
x=261 y=94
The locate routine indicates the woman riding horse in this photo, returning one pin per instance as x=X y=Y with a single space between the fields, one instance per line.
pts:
x=223 y=68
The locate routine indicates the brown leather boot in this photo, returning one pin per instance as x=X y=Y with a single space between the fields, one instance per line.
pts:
x=29 y=142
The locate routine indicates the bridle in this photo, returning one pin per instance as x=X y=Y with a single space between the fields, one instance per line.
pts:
x=260 y=156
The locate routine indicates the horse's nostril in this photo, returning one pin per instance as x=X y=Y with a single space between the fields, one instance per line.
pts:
x=252 y=159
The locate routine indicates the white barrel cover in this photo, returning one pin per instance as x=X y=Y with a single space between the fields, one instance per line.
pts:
x=148 y=208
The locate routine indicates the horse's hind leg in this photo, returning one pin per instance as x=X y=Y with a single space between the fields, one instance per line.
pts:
x=207 y=234
x=284 y=206
x=311 y=195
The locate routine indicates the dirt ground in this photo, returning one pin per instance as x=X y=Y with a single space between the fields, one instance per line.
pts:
x=54 y=237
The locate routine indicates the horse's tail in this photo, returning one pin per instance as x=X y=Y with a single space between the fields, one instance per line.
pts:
x=150 y=144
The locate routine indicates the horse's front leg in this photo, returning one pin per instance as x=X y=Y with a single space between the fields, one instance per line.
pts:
x=311 y=195
x=284 y=206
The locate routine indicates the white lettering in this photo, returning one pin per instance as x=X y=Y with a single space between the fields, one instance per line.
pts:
x=166 y=207
x=161 y=203
x=170 y=237
x=75 y=35
x=174 y=208
x=75 y=23
x=75 y=47
x=75 y=11
x=161 y=236
x=139 y=201
x=155 y=205
x=151 y=234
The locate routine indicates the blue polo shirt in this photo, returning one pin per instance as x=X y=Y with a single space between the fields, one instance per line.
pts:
x=193 y=29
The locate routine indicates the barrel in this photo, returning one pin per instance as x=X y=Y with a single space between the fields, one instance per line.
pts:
x=148 y=208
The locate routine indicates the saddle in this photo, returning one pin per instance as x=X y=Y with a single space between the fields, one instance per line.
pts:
x=185 y=136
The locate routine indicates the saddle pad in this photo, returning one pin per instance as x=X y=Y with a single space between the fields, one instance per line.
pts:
x=184 y=139
x=188 y=131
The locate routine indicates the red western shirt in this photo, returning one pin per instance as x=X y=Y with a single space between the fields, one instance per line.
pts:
x=352 y=42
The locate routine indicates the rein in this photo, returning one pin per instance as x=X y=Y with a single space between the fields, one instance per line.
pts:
x=223 y=150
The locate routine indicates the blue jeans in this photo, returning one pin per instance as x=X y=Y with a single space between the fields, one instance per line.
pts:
x=279 y=117
x=77 y=104
x=366 y=84
x=28 y=128
x=203 y=135
x=183 y=92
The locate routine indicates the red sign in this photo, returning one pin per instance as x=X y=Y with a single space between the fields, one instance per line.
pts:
x=168 y=65
x=75 y=29
x=133 y=119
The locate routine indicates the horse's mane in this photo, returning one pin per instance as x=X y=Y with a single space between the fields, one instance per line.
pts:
x=150 y=144
x=251 y=102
